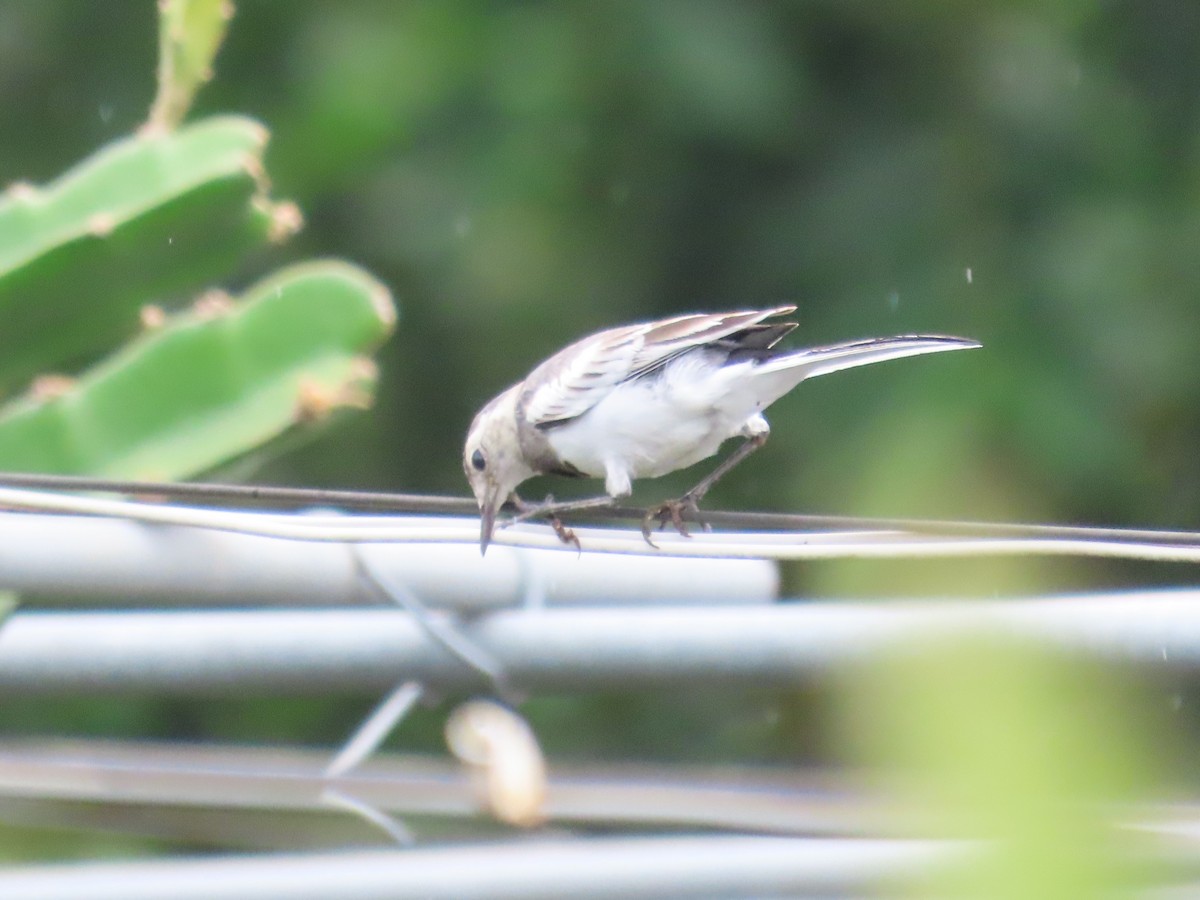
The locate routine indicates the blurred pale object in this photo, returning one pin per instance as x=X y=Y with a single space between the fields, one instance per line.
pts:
x=504 y=755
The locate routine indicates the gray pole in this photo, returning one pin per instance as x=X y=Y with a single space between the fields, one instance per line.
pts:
x=553 y=649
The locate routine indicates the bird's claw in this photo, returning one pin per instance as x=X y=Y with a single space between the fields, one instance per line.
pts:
x=565 y=534
x=671 y=511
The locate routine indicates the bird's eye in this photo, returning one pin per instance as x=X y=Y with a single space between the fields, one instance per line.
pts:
x=478 y=461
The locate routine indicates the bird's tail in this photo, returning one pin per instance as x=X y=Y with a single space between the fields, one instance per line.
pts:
x=776 y=376
x=815 y=361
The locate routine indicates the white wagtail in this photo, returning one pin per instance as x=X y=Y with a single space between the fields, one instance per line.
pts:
x=643 y=400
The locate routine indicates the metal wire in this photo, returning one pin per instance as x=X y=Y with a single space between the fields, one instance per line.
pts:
x=253 y=494
x=440 y=628
x=389 y=825
x=373 y=731
x=743 y=545
x=426 y=503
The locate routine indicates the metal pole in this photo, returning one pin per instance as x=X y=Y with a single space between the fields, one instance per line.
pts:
x=217 y=652
x=645 y=867
x=78 y=559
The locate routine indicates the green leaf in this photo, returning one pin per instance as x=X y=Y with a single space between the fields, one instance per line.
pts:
x=144 y=219
x=212 y=383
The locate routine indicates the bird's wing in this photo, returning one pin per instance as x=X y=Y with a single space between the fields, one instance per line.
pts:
x=575 y=379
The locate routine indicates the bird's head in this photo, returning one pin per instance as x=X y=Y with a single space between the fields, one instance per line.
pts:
x=493 y=460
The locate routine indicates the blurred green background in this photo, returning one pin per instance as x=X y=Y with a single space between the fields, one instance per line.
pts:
x=522 y=173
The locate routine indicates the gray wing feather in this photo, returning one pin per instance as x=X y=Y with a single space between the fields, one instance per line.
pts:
x=575 y=379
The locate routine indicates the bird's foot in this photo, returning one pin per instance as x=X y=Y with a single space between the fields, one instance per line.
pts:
x=565 y=534
x=544 y=510
x=672 y=511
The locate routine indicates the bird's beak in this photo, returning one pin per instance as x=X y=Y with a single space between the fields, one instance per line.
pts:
x=487 y=517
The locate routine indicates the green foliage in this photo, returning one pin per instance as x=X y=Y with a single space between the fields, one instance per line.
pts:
x=986 y=739
x=213 y=383
x=189 y=34
x=145 y=219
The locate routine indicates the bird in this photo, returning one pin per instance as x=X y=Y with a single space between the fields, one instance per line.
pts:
x=643 y=400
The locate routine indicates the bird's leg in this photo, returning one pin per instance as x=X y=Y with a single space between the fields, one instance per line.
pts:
x=672 y=510
x=752 y=443
x=549 y=507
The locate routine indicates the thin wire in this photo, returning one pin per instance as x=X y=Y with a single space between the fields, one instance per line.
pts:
x=732 y=545
x=440 y=629
x=258 y=494
x=427 y=503
x=375 y=729
x=373 y=815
